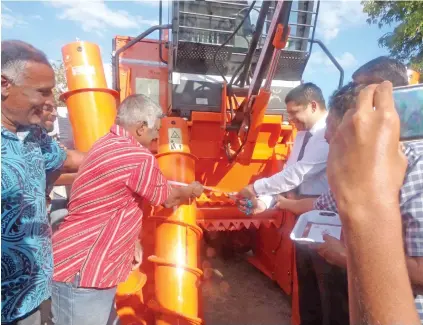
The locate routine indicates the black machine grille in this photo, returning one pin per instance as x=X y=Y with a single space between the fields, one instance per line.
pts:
x=201 y=26
x=199 y=58
x=291 y=65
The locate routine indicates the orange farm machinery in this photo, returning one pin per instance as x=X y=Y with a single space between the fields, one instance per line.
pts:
x=220 y=70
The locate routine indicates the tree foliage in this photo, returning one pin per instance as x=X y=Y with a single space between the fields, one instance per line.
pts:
x=405 y=42
x=61 y=83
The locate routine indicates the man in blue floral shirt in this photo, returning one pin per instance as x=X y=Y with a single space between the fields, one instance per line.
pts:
x=28 y=153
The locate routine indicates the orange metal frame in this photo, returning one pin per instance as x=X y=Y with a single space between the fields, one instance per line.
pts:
x=166 y=290
x=263 y=156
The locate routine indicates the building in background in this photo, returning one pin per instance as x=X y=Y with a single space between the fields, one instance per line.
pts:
x=63 y=129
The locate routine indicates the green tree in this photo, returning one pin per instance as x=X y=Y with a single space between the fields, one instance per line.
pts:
x=405 y=42
x=61 y=83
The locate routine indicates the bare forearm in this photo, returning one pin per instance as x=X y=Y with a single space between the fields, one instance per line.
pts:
x=353 y=301
x=299 y=206
x=65 y=179
x=377 y=267
x=73 y=161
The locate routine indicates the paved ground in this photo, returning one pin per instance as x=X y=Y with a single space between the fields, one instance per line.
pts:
x=236 y=293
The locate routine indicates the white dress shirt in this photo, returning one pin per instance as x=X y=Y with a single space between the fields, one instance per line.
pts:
x=308 y=174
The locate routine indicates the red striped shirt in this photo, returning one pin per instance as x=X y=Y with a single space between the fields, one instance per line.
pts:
x=97 y=238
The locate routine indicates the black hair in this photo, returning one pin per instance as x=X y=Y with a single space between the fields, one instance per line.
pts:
x=14 y=53
x=344 y=98
x=306 y=93
x=384 y=68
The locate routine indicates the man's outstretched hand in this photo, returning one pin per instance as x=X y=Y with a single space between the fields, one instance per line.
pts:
x=251 y=207
x=247 y=202
x=247 y=192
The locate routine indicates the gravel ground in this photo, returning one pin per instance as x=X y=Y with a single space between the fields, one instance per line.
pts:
x=236 y=293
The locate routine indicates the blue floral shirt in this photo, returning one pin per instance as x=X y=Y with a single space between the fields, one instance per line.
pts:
x=26 y=249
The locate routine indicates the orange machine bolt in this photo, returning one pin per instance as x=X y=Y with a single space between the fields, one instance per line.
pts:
x=177 y=235
x=91 y=105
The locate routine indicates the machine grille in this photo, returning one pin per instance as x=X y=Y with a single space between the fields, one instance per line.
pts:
x=291 y=65
x=198 y=58
x=201 y=27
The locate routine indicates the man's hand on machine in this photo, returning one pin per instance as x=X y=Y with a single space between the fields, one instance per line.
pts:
x=181 y=193
x=195 y=189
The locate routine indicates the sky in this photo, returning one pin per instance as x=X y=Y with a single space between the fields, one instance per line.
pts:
x=49 y=25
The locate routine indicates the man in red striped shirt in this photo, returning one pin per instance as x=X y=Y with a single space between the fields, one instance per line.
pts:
x=95 y=245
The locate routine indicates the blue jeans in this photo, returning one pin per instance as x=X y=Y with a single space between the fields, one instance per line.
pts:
x=73 y=305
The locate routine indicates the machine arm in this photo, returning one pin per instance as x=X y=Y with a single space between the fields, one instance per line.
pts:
x=254 y=42
x=160 y=32
x=281 y=16
x=115 y=55
x=258 y=97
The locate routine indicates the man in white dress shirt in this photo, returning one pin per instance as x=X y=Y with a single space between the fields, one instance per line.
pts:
x=305 y=175
x=305 y=170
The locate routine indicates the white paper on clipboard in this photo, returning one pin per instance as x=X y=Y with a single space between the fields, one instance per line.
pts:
x=321 y=222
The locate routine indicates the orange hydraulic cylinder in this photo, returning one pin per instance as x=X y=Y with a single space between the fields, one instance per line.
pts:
x=177 y=235
x=258 y=111
x=91 y=105
x=129 y=299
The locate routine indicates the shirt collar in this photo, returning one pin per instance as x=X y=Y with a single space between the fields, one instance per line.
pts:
x=6 y=132
x=121 y=132
x=319 y=125
x=21 y=133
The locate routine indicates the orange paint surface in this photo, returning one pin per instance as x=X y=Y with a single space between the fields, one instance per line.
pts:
x=91 y=105
x=170 y=277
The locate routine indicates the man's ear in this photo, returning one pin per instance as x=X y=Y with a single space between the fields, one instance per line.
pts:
x=141 y=128
x=313 y=105
x=5 y=87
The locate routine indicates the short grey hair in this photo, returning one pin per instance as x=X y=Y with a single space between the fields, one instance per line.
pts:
x=138 y=108
x=14 y=57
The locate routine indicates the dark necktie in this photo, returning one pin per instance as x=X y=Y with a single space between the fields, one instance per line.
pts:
x=307 y=137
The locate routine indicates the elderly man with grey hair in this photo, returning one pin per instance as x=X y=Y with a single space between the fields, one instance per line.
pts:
x=95 y=247
x=28 y=154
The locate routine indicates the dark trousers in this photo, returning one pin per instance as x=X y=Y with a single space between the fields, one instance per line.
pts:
x=322 y=290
